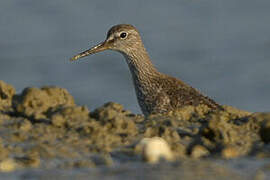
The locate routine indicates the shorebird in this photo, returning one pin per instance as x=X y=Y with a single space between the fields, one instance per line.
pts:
x=156 y=92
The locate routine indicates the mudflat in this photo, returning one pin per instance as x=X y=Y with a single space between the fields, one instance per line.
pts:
x=43 y=133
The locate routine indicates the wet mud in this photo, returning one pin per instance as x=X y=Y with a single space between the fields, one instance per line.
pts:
x=43 y=129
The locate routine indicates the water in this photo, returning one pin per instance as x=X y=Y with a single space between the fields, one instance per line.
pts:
x=219 y=47
x=247 y=169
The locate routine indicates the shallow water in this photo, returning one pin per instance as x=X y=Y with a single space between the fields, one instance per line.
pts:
x=219 y=47
x=212 y=170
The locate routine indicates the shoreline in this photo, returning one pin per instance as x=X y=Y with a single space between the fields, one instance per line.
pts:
x=43 y=129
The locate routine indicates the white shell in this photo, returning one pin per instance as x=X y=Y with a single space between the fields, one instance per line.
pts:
x=155 y=149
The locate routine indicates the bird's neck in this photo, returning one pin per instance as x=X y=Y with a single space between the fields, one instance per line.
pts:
x=145 y=77
x=141 y=67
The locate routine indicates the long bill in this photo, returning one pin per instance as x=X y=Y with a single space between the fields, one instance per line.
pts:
x=93 y=50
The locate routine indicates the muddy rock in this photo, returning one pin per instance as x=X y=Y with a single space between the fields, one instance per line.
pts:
x=109 y=111
x=34 y=102
x=264 y=129
x=8 y=165
x=6 y=94
x=70 y=116
x=228 y=128
x=199 y=151
x=230 y=152
x=114 y=118
x=4 y=153
x=43 y=128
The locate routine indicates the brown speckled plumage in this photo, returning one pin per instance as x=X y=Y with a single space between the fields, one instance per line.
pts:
x=156 y=92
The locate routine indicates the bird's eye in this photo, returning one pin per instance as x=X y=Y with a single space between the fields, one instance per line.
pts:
x=123 y=35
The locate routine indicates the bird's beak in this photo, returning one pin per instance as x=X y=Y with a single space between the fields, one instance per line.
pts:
x=98 y=48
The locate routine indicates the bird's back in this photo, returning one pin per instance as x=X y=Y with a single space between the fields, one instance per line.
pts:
x=167 y=93
x=182 y=94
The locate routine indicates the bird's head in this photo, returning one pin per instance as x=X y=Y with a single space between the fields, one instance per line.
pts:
x=123 y=38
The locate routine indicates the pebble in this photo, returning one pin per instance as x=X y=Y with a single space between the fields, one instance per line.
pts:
x=8 y=165
x=199 y=151
x=155 y=149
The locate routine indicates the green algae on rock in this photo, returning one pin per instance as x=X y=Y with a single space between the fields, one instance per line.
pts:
x=44 y=128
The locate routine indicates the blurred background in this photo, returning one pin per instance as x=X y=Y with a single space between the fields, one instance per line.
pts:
x=220 y=47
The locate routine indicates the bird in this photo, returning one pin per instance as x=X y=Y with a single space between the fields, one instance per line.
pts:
x=157 y=93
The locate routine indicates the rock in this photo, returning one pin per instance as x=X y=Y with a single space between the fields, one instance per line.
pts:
x=72 y=116
x=32 y=160
x=8 y=165
x=199 y=151
x=265 y=127
x=101 y=160
x=45 y=129
x=115 y=119
x=229 y=128
x=154 y=149
x=230 y=152
x=6 y=94
x=35 y=103
x=109 y=111
x=3 y=151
